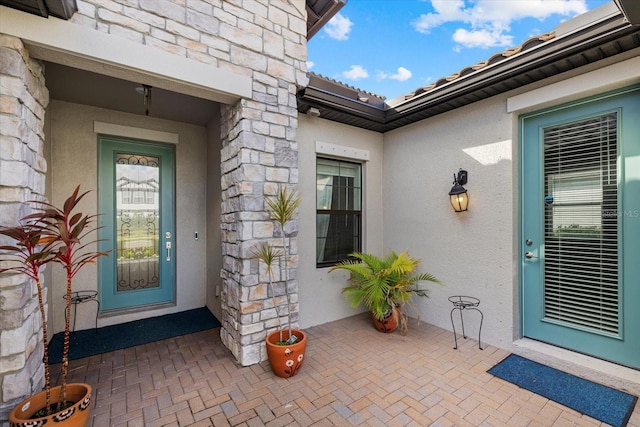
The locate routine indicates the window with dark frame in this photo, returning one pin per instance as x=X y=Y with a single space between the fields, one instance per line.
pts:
x=338 y=210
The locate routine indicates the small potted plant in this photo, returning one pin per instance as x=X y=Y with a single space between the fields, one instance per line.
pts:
x=285 y=347
x=384 y=286
x=52 y=235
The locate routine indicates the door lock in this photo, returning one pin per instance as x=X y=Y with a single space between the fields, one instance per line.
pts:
x=529 y=255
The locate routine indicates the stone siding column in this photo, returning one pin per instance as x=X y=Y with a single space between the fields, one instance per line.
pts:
x=23 y=99
x=259 y=156
x=255 y=164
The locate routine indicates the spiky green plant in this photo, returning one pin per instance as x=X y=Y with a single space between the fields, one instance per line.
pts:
x=384 y=285
x=268 y=255
x=282 y=208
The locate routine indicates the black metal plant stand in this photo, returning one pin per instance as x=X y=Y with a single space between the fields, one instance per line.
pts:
x=462 y=302
x=80 y=297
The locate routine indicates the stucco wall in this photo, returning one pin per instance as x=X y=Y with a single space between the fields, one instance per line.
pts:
x=320 y=294
x=214 y=234
x=470 y=251
x=74 y=161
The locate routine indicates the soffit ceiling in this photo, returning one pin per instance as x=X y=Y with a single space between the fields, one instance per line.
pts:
x=319 y=12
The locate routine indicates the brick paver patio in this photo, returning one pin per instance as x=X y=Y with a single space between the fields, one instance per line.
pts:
x=352 y=375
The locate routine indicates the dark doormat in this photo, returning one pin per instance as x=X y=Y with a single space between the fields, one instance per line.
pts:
x=603 y=403
x=116 y=337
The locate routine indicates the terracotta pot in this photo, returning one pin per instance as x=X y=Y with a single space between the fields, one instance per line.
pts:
x=389 y=323
x=286 y=360
x=76 y=415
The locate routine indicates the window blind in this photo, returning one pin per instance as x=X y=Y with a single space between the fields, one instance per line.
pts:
x=581 y=224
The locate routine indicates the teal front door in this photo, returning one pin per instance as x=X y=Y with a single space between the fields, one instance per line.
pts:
x=136 y=201
x=580 y=226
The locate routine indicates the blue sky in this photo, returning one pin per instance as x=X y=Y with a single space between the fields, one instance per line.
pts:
x=392 y=47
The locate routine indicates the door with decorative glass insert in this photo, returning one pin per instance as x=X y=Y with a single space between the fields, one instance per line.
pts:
x=136 y=199
x=580 y=227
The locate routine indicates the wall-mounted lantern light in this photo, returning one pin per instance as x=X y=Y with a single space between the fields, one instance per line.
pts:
x=458 y=194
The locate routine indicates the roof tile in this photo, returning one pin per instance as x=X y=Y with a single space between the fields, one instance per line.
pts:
x=493 y=59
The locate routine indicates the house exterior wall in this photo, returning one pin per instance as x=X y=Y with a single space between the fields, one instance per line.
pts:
x=214 y=207
x=477 y=252
x=320 y=295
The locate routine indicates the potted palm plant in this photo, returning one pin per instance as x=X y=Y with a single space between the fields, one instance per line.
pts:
x=384 y=286
x=52 y=235
x=285 y=347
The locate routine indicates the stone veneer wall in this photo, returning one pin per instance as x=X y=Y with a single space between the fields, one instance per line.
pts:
x=254 y=166
x=23 y=99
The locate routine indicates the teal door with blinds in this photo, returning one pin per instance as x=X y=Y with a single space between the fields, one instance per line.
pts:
x=580 y=226
x=136 y=201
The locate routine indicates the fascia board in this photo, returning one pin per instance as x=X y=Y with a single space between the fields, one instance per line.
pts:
x=328 y=99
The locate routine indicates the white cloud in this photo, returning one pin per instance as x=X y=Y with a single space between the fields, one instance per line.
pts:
x=356 y=72
x=381 y=75
x=445 y=11
x=338 y=27
x=482 y=38
x=401 y=75
x=486 y=23
x=310 y=65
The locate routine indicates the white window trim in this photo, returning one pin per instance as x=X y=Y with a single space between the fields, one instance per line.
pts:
x=341 y=151
x=113 y=129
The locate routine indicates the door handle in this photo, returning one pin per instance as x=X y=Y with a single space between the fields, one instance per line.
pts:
x=168 y=246
x=529 y=255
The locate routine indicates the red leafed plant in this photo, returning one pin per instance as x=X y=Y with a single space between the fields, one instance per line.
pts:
x=52 y=235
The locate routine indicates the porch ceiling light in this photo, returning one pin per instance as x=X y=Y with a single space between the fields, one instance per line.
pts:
x=458 y=194
x=145 y=91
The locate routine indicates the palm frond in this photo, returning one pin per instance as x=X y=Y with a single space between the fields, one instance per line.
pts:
x=383 y=284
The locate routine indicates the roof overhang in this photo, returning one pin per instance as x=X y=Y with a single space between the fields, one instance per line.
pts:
x=611 y=36
x=319 y=12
